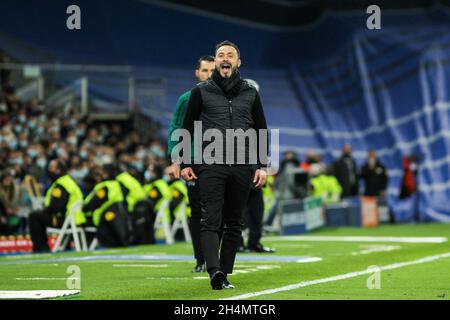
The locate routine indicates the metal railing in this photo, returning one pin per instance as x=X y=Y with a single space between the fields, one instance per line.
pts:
x=100 y=91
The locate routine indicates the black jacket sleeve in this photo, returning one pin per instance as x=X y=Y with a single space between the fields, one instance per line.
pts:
x=193 y=110
x=100 y=197
x=259 y=121
x=58 y=201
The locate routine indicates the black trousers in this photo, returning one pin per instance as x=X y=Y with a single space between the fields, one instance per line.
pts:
x=253 y=217
x=143 y=217
x=115 y=228
x=223 y=197
x=194 y=221
x=38 y=222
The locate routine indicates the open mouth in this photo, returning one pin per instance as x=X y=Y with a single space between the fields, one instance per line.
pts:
x=225 y=67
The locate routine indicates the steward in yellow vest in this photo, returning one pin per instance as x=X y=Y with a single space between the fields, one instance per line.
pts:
x=157 y=189
x=139 y=207
x=179 y=193
x=60 y=197
x=324 y=186
x=268 y=195
x=105 y=206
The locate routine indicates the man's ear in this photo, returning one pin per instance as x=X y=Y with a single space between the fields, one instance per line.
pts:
x=239 y=63
x=196 y=73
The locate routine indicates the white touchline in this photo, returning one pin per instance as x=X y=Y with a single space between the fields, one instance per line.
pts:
x=360 y=239
x=337 y=278
x=140 y=265
x=36 y=294
x=41 y=279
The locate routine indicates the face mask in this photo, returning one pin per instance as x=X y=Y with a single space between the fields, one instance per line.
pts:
x=73 y=122
x=148 y=175
x=54 y=129
x=32 y=125
x=39 y=130
x=140 y=154
x=84 y=172
x=12 y=144
x=23 y=143
x=42 y=118
x=61 y=152
x=157 y=151
x=372 y=161
x=32 y=153
x=18 y=129
x=83 y=154
x=72 y=140
x=138 y=165
x=81 y=133
x=41 y=163
x=22 y=119
x=17 y=161
x=77 y=174
x=166 y=179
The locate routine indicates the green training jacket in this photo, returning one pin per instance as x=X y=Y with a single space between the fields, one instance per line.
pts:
x=177 y=121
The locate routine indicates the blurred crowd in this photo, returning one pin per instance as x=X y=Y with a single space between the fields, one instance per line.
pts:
x=333 y=181
x=30 y=137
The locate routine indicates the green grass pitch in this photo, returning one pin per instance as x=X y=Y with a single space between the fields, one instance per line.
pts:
x=172 y=279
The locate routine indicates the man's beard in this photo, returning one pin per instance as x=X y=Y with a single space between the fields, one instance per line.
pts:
x=229 y=74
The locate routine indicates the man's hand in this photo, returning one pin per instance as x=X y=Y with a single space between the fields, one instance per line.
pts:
x=188 y=174
x=173 y=171
x=260 y=178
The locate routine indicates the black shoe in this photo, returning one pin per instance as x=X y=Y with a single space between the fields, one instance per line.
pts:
x=259 y=248
x=217 y=279
x=226 y=284
x=199 y=268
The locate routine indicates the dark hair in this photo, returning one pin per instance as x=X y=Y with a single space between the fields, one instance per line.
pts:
x=110 y=170
x=61 y=165
x=204 y=58
x=228 y=43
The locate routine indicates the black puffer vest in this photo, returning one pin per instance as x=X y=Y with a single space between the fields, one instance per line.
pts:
x=218 y=112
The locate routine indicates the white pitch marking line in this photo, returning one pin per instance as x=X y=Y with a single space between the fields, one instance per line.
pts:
x=168 y=278
x=360 y=239
x=313 y=259
x=375 y=248
x=267 y=267
x=41 y=279
x=36 y=294
x=338 y=277
x=140 y=265
x=292 y=245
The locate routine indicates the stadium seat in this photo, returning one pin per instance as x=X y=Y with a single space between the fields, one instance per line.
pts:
x=162 y=222
x=70 y=229
x=181 y=222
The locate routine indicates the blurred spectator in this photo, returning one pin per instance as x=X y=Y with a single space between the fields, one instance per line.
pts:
x=346 y=172
x=375 y=176
x=9 y=203
x=290 y=160
x=323 y=185
x=30 y=138
x=409 y=180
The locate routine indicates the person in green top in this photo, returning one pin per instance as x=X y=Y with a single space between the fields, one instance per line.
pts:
x=203 y=70
x=59 y=198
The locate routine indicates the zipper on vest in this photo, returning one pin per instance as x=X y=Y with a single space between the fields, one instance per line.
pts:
x=231 y=113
